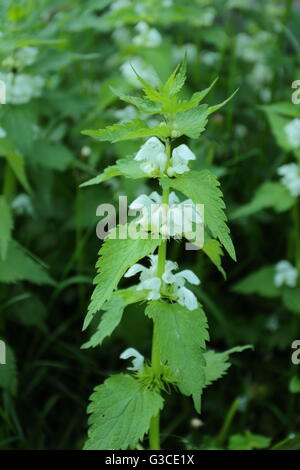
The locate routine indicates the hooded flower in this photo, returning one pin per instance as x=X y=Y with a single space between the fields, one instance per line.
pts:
x=175 y=219
x=285 y=274
x=152 y=155
x=290 y=178
x=180 y=160
x=171 y=285
x=137 y=361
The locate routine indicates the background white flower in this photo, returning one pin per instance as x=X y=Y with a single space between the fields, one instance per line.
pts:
x=292 y=130
x=290 y=178
x=2 y=133
x=137 y=361
x=285 y=274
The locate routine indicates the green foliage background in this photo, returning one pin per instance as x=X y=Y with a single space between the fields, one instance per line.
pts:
x=48 y=243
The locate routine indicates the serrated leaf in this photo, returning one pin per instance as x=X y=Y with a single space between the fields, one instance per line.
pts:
x=19 y=266
x=111 y=267
x=217 y=363
x=269 y=195
x=191 y=123
x=248 y=441
x=144 y=105
x=181 y=337
x=203 y=188
x=128 y=130
x=113 y=311
x=260 y=282
x=213 y=249
x=216 y=107
x=6 y=225
x=15 y=161
x=127 y=167
x=176 y=81
x=121 y=410
x=8 y=372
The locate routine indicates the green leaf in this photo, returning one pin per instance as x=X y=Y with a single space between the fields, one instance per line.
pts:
x=6 y=225
x=125 y=166
x=113 y=311
x=19 y=266
x=203 y=188
x=191 y=122
x=53 y=156
x=8 y=372
x=291 y=298
x=144 y=105
x=216 y=107
x=120 y=413
x=129 y=130
x=213 y=250
x=294 y=385
x=217 y=363
x=269 y=195
x=16 y=162
x=248 y=441
x=176 y=81
x=260 y=282
x=181 y=336
x=111 y=267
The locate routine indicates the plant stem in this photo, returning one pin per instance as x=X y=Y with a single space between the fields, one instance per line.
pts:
x=154 y=431
x=296 y=218
x=227 y=421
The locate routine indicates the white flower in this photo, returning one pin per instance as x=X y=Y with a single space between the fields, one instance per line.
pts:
x=148 y=37
x=290 y=178
x=21 y=88
x=143 y=69
x=2 y=133
x=22 y=205
x=209 y=57
x=169 y=220
x=152 y=155
x=119 y=5
x=292 y=130
x=189 y=50
x=171 y=284
x=260 y=75
x=180 y=158
x=126 y=114
x=23 y=57
x=137 y=361
x=285 y=274
x=85 y=151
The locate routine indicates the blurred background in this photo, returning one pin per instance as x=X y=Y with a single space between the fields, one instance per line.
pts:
x=59 y=60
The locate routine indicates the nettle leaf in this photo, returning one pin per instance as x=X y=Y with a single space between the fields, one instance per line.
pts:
x=121 y=410
x=144 y=105
x=181 y=336
x=19 y=266
x=216 y=107
x=115 y=257
x=127 y=167
x=269 y=195
x=8 y=372
x=291 y=298
x=15 y=161
x=176 y=81
x=203 y=188
x=113 y=312
x=191 y=123
x=260 y=282
x=213 y=249
x=6 y=225
x=185 y=105
x=129 y=130
x=217 y=363
x=248 y=441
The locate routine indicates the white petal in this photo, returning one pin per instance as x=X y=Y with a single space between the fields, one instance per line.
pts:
x=182 y=152
x=189 y=276
x=187 y=299
x=136 y=268
x=138 y=359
